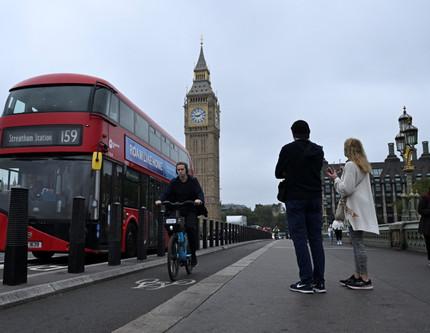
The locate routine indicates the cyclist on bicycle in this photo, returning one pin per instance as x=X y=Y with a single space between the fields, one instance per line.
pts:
x=186 y=187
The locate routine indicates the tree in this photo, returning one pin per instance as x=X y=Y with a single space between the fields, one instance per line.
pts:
x=263 y=215
x=236 y=210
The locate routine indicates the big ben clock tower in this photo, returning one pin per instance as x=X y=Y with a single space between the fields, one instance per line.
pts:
x=202 y=120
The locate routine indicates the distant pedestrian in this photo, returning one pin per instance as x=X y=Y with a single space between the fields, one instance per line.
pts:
x=338 y=229
x=330 y=233
x=300 y=163
x=360 y=214
x=424 y=226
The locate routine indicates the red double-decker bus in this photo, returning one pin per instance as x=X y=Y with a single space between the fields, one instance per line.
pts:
x=51 y=127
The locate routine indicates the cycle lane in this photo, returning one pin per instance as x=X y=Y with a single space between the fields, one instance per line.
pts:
x=107 y=305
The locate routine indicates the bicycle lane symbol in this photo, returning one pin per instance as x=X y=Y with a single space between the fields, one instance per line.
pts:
x=155 y=284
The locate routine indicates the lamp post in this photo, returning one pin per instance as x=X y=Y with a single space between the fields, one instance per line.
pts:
x=406 y=139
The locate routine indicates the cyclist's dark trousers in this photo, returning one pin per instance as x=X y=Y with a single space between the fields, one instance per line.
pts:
x=191 y=228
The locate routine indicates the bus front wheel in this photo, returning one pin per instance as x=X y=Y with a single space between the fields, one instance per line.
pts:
x=43 y=255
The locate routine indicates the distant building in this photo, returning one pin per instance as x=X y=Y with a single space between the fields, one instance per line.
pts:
x=237 y=219
x=388 y=183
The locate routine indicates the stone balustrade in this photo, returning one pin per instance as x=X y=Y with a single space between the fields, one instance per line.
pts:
x=398 y=235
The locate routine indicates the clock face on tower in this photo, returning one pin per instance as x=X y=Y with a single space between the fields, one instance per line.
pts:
x=198 y=115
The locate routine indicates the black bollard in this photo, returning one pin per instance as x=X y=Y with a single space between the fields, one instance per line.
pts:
x=198 y=234
x=141 y=241
x=211 y=233
x=114 y=255
x=217 y=233
x=76 y=262
x=205 y=233
x=15 y=259
x=234 y=233
x=160 y=237
x=230 y=233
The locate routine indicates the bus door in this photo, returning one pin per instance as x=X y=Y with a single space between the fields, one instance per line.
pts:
x=110 y=192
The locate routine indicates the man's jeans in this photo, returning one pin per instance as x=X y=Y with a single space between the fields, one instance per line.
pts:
x=304 y=224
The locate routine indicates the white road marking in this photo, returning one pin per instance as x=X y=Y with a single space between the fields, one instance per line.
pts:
x=155 y=284
x=45 y=268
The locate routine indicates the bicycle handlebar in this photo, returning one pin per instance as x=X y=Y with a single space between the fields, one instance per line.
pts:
x=178 y=204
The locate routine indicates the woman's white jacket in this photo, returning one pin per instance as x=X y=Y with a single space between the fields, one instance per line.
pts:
x=354 y=185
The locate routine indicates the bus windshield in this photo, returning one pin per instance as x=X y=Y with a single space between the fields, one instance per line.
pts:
x=65 y=98
x=52 y=184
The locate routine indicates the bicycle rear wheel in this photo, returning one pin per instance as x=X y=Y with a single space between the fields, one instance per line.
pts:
x=172 y=257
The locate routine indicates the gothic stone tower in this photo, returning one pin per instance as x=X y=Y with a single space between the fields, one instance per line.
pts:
x=202 y=129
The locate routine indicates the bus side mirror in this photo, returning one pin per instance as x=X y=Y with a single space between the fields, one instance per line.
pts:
x=97 y=161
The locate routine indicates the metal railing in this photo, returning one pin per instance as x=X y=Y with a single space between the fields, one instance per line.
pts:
x=216 y=233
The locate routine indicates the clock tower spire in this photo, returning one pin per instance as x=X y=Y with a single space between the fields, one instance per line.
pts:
x=202 y=132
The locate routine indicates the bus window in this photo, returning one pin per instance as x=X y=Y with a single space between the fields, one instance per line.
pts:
x=165 y=146
x=183 y=157
x=174 y=152
x=131 y=189
x=117 y=183
x=15 y=106
x=154 y=138
x=8 y=178
x=102 y=101
x=52 y=183
x=142 y=128
x=144 y=187
x=58 y=183
x=126 y=116
x=49 y=99
x=114 y=108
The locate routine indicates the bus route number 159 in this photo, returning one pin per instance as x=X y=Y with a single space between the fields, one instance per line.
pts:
x=69 y=136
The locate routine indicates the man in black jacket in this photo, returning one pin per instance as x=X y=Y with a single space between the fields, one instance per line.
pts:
x=182 y=188
x=300 y=163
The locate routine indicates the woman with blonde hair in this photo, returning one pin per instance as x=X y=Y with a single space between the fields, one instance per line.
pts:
x=360 y=215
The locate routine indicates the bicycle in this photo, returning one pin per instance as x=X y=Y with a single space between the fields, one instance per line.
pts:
x=178 y=251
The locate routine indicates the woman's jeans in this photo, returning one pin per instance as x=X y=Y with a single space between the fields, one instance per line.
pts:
x=360 y=255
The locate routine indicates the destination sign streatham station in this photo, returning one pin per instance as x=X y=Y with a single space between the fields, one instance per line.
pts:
x=56 y=135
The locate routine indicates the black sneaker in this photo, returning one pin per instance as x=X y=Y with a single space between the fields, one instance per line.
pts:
x=359 y=284
x=304 y=288
x=193 y=260
x=348 y=280
x=319 y=287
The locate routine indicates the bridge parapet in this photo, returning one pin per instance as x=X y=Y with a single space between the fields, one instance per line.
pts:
x=398 y=235
x=222 y=233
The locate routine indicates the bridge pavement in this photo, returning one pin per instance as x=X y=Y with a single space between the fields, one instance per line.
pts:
x=252 y=296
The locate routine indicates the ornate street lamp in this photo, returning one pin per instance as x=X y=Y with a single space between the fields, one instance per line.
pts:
x=405 y=142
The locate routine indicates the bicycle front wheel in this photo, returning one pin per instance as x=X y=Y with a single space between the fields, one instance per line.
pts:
x=172 y=257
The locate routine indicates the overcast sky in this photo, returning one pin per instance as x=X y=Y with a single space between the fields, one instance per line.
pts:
x=346 y=67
